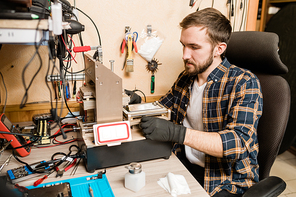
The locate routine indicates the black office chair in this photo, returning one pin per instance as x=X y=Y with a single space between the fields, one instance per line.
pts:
x=258 y=52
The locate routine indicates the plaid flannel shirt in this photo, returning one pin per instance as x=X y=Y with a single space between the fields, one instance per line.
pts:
x=232 y=106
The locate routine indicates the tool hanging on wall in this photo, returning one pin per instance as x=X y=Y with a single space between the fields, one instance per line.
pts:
x=129 y=41
x=152 y=67
x=150 y=41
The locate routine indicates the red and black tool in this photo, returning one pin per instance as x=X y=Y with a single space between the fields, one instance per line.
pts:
x=17 y=140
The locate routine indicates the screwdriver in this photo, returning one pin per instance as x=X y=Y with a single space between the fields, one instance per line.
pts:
x=5 y=162
x=84 y=48
x=5 y=146
x=91 y=192
x=36 y=183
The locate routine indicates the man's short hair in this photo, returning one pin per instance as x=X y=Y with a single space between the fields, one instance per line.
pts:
x=217 y=25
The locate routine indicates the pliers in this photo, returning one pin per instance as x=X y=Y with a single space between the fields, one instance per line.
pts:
x=129 y=42
x=61 y=172
x=129 y=37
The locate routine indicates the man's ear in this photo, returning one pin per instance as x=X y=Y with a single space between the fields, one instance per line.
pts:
x=220 y=48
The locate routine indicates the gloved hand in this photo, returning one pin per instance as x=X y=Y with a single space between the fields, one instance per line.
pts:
x=162 y=130
x=134 y=98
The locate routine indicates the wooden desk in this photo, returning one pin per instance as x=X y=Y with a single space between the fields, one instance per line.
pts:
x=153 y=169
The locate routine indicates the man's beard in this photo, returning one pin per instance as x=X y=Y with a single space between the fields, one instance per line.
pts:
x=201 y=68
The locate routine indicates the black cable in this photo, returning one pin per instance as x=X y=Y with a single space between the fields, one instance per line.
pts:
x=76 y=72
x=25 y=97
x=61 y=73
x=56 y=118
x=27 y=165
x=65 y=142
x=68 y=57
x=38 y=4
x=61 y=129
x=48 y=146
x=63 y=80
x=54 y=161
x=198 y=5
x=68 y=107
x=92 y=23
x=52 y=81
x=28 y=144
x=65 y=99
x=141 y=92
x=5 y=93
x=57 y=153
x=233 y=10
x=81 y=44
x=70 y=149
x=50 y=93
x=63 y=91
x=56 y=135
x=21 y=134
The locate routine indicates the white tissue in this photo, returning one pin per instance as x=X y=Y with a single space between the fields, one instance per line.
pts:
x=150 y=47
x=174 y=184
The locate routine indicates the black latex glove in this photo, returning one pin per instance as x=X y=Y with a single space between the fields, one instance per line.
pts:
x=134 y=98
x=162 y=130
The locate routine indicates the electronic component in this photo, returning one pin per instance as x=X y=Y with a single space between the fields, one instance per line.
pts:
x=23 y=173
x=62 y=189
x=75 y=27
x=42 y=130
x=17 y=140
x=135 y=112
x=44 y=116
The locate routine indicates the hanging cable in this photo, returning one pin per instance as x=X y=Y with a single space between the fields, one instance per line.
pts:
x=25 y=97
x=4 y=107
x=242 y=6
x=47 y=72
x=100 y=43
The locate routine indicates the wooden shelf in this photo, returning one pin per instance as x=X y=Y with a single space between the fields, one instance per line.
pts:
x=281 y=1
x=265 y=6
x=15 y=114
x=24 y=24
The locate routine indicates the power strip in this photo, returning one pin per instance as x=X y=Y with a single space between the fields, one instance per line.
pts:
x=21 y=36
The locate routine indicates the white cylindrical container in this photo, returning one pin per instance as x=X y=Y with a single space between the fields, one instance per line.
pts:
x=135 y=178
x=56 y=12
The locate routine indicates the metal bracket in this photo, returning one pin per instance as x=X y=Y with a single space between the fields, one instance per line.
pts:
x=149 y=30
x=69 y=77
x=127 y=29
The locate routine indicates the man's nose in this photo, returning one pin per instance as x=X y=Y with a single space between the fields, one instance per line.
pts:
x=186 y=53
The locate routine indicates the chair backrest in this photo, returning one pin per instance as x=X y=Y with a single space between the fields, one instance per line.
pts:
x=258 y=52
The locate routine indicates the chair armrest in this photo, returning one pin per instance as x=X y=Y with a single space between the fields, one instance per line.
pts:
x=268 y=187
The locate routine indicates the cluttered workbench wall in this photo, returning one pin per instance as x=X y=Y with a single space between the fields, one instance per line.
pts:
x=164 y=16
x=111 y=18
